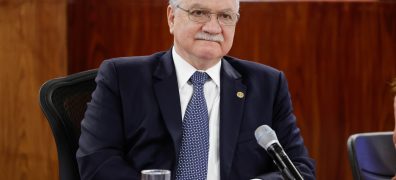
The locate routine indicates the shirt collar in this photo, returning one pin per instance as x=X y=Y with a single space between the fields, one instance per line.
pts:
x=184 y=70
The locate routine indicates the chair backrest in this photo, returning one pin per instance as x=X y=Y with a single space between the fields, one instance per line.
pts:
x=372 y=155
x=64 y=101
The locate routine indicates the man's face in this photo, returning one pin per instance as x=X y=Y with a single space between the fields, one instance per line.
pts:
x=188 y=39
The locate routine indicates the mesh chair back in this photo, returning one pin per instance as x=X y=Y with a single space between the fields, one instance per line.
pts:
x=64 y=101
x=372 y=155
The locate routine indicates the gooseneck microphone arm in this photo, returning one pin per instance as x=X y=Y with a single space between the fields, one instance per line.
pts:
x=279 y=163
x=287 y=168
x=266 y=138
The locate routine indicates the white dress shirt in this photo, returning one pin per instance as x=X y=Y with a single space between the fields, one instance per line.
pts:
x=184 y=71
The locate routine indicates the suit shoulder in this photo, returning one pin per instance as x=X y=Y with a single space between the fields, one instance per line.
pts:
x=250 y=68
x=135 y=60
x=127 y=65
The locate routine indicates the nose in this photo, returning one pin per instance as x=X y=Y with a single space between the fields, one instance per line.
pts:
x=213 y=26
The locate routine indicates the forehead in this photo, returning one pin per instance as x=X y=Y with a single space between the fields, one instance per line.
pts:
x=211 y=4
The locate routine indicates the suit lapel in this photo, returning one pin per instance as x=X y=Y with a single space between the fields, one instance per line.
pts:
x=232 y=98
x=231 y=107
x=167 y=93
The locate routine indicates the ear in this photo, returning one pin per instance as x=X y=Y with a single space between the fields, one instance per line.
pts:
x=171 y=18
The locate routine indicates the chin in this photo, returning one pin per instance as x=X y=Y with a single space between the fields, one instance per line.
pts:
x=210 y=52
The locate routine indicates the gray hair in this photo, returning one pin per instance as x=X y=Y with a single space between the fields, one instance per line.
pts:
x=174 y=3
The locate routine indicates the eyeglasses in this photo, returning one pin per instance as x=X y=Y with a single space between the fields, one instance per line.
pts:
x=203 y=16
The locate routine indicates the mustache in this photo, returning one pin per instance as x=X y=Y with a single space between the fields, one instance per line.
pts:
x=209 y=37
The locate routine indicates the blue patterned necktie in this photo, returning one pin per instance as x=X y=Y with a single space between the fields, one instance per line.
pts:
x=193 y=157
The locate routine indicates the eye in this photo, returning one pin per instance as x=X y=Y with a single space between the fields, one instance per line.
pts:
x=199 y=12
x=226 y=16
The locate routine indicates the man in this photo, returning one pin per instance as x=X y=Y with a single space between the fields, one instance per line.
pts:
x=192 y=109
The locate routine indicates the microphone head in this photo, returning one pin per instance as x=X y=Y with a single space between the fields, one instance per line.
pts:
x=265 y=136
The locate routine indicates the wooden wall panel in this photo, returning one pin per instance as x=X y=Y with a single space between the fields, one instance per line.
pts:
x=32 y=50
x=113 y=28
x=338 y=56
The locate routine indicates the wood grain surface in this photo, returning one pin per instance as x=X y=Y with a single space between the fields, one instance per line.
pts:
x=32 y=50
x=339 y=58
x=113 y=28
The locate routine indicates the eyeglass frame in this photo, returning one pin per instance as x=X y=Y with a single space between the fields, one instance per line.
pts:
x=188 y=11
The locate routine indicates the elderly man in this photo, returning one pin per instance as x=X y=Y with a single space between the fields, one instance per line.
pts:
x=192 y=110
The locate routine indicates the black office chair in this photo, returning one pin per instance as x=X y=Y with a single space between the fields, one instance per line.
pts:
x=372 y=156
x=64 y=101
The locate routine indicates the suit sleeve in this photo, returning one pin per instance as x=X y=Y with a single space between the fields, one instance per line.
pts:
x=284 y=124
x=101 y=153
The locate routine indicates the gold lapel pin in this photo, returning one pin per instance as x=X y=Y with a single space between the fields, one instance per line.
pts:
x=240 y=94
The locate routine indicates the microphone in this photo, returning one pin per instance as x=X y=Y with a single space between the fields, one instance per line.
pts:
x=267 y=139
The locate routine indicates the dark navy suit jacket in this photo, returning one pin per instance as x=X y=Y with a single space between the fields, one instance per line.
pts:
x=134 y=120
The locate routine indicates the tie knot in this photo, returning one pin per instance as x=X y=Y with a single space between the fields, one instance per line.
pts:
x=198 y=78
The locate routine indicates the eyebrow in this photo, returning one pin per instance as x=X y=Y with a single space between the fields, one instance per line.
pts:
x=200 y=6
